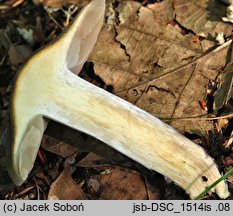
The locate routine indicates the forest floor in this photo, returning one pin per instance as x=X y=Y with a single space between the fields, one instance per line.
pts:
x=172 y=58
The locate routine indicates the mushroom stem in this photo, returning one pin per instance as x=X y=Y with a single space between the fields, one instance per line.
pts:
x=58 y=94
x=132 y=131
x=136 y=134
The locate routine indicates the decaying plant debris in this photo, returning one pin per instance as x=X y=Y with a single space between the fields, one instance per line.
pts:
x=160 y=62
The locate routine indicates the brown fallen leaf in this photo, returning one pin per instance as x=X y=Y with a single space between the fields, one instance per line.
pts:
x=100 y=185
x=19 y=53
x=225 y=91
x=58 y=147
x=221 y=123
x=122 y=185
x=150 y=63
x=230 y=141
x=94 y=161
x=65 y=188
x=202 y=17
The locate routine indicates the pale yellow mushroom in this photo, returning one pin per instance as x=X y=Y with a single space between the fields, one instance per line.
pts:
x=47 y=87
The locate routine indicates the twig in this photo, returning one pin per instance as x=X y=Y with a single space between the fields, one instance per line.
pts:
x=199 y=118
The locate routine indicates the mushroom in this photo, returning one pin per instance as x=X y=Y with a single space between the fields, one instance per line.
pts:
x=46 y=86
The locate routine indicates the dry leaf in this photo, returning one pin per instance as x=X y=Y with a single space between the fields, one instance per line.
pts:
x=202 y=17
x=65 y=188
x=19 y=53
x=150 y=63
x=122 y=185
x=58 y=147
x=93 y=161
x=225 y=91
x=116 y=183
x=230 y=141
x=221 y=123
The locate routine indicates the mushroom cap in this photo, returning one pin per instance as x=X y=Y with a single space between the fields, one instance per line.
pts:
x=34 y=83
